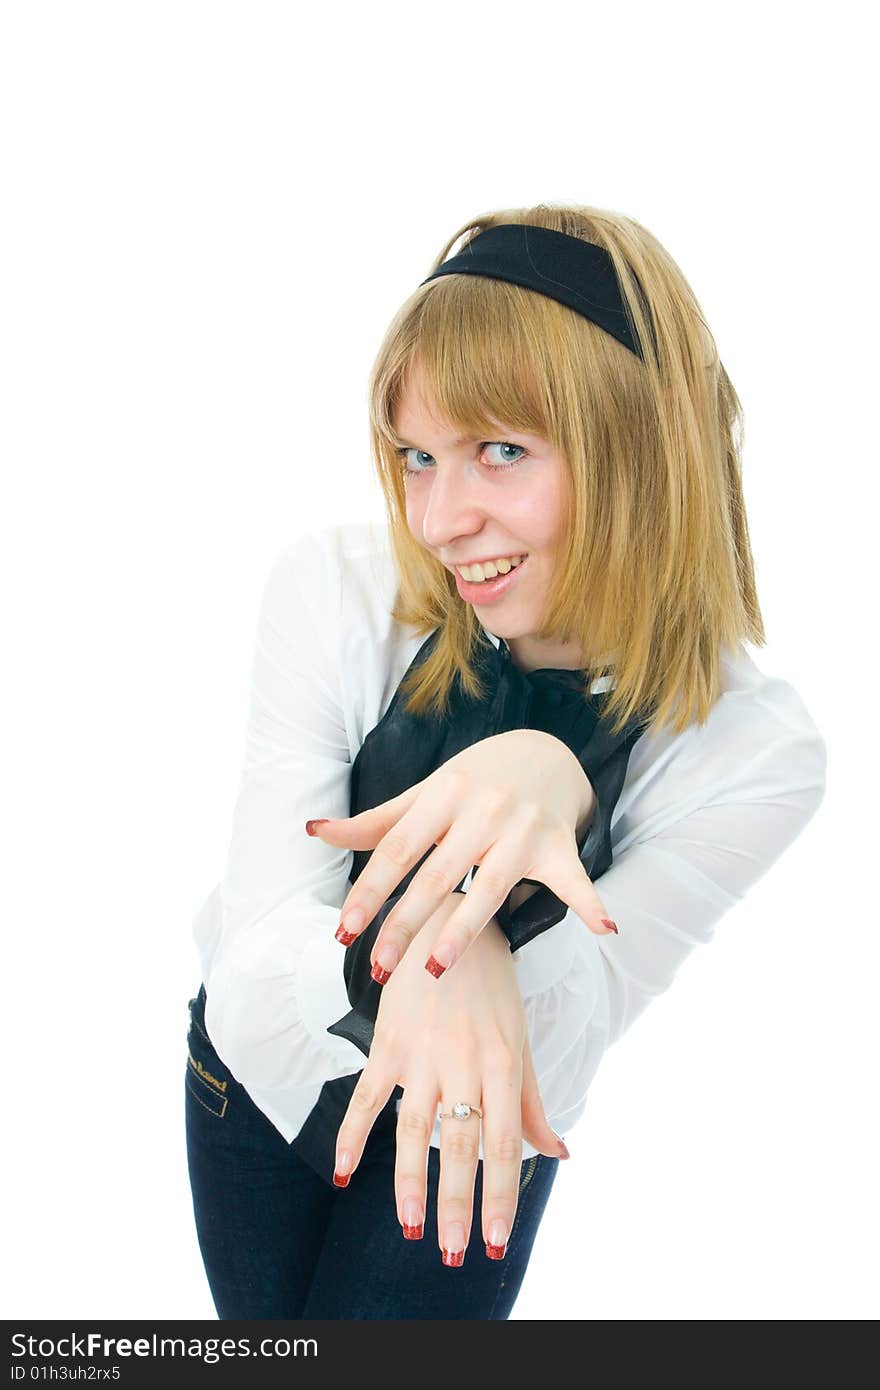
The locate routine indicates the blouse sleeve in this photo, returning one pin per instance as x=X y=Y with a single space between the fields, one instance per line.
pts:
x=271 y=964
x=701 y=823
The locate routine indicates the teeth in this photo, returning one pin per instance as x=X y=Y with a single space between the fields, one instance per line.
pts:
x=475 y=574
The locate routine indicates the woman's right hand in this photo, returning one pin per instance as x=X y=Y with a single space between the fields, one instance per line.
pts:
x=463 y=1037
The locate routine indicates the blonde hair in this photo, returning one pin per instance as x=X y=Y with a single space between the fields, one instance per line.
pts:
x=654 y=571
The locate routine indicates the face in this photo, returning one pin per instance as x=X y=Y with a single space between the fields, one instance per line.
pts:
x=472 y=500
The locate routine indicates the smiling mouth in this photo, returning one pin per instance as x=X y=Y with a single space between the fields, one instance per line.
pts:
x=488 y=590
x=483 y=572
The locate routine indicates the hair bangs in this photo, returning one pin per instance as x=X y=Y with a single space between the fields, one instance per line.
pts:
x=476 y=343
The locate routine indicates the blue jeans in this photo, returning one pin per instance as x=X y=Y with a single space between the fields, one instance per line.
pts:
x=280 y=1241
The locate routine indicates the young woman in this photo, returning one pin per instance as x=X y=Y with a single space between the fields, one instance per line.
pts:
x=536 y=762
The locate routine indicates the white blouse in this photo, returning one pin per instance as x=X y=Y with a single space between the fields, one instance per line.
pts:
x=702 y=815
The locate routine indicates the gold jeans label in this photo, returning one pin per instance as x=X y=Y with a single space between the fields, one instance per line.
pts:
x=203 y=1072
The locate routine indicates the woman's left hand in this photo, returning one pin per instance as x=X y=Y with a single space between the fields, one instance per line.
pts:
x=465 y=1039
x=515 y=804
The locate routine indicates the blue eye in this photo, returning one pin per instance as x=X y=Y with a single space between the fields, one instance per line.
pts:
x=405 y=453
x=504 y=445
x=489 y=444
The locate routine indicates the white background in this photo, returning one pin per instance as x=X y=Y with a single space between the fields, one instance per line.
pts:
x=212 y=212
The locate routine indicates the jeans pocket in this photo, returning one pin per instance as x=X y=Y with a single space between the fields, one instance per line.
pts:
x=207 y=1080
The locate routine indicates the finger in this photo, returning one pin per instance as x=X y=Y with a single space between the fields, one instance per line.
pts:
x=415 y=1125
x=565 y=875
x=528 y=849
x=464 y=844
x=459 y=1154
x=374 y=1086
x=405 y=843
x=502 y=1149
x=366 y=829
x=501 y=865
x=535 y=1127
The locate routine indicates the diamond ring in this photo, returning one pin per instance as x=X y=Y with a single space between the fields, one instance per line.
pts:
x=461 y=1111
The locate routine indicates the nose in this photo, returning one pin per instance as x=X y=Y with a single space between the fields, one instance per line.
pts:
x=455 y=506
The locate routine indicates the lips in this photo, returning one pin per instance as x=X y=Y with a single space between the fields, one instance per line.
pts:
x=488 y=590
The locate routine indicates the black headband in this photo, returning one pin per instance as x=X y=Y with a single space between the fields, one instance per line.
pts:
x=577 y=273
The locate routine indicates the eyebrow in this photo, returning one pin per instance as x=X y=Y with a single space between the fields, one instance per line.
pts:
x=456 y=443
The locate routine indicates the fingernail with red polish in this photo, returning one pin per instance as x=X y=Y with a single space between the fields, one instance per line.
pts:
x=311 y=825
x=610 y=926
x=387 y=959
x=496 y=1245
x=412 y=1219
x=343 y=1169
x=435 y=965
x=453 y=1250
x=379 y=975
x=348 y=928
